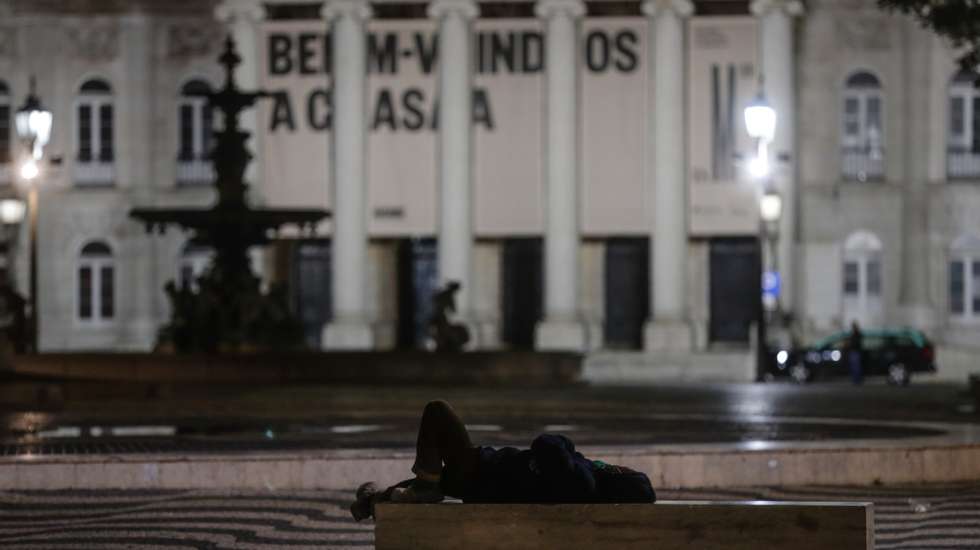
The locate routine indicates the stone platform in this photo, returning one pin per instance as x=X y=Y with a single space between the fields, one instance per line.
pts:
x=953 y=456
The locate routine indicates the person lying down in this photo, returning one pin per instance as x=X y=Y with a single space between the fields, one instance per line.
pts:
x=551 y=471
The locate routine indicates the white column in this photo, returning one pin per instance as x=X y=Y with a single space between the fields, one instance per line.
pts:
x=350 y=327
x=669 y=327
x=562 y=327
x=455 y=254
x=778 y=58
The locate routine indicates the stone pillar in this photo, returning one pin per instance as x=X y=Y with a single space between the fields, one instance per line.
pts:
x=669 y=327
x=455 y=253
x=350 y=327
x=562 y=327
x=778 y=60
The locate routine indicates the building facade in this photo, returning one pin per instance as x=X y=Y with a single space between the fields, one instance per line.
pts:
x=579 y=167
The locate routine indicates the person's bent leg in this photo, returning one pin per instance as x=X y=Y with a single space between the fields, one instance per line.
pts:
x=442 y=439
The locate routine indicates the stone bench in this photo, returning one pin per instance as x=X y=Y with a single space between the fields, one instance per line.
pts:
x=666 y=525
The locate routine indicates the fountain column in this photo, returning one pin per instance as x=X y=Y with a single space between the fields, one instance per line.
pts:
x=350 y=327
x=562 y=327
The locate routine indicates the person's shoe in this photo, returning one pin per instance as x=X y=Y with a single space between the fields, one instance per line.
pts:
x=363 y=505
x=419 y=492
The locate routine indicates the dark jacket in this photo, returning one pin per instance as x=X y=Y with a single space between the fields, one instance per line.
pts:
x=552 y=471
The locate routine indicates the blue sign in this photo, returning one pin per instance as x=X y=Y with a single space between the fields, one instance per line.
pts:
x=770 y=284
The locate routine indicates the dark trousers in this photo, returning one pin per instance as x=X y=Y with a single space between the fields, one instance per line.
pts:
x=444 y=447
x=854 y=366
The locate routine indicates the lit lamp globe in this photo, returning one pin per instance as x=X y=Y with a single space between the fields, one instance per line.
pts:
x=33 y=126
x=12 y=211
x=770 y=207
x=760 y=119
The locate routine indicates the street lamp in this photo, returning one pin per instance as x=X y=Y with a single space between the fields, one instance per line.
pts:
x=760 y=123
x=34 y=128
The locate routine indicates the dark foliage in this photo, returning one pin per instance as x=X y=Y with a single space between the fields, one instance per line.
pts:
x=956 y=20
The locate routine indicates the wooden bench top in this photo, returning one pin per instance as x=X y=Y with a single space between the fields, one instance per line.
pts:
x=666 y=525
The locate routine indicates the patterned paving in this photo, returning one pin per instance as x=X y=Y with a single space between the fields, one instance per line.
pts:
x=935 y=516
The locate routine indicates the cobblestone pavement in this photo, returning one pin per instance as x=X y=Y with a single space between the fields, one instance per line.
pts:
x=907 y=517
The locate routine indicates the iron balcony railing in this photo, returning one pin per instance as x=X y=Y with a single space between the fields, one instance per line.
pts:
x=962 y=163
x=862 y=163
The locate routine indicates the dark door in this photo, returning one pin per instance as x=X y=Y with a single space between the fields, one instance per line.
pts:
x=311 y=288
x=627 y=292
x=418 y=273
x=736 y=289
x=521 y=292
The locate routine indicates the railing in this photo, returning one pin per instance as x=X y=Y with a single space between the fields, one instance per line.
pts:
x=962 y=163
x=194 y=172
x=95 y=173
x=859 y=163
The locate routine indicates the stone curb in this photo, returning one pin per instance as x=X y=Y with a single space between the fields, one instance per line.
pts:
x=715 y=466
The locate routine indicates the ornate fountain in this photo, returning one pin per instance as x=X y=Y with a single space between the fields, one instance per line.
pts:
x=226 y=310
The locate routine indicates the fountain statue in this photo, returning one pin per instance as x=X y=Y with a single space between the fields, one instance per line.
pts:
x=227 y=310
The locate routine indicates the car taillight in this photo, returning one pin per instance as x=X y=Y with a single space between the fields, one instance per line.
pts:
x=927 y=353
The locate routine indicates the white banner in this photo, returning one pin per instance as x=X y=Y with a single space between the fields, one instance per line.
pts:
x=508 y=113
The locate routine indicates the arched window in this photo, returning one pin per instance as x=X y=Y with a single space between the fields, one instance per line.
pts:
x=95 y=134
x=861 y=284
x=96 y=283
x=194 y=259
x=862 y=128
x=964 y=279
x=6 y=129
x=963 y=140
x=194 y=126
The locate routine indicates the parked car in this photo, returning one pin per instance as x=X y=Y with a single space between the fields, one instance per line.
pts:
x=896 y=353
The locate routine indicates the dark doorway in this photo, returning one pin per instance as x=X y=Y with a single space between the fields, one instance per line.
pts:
x=627 y=292
x=418 y=272
x=521 y=292
x=310 y=283
x=735 y=288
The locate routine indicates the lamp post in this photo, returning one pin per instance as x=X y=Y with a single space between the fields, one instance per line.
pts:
x=760 y=123
x=34 y=128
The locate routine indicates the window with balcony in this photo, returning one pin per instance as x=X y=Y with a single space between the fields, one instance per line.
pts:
x=194 y=127
x=964 y=279
x=861 y=283
x=95 y=137
x=963 y=139
x=862 y=129
x=96 y=284
x=6 y=134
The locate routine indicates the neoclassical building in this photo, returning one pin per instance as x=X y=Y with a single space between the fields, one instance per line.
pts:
x=579 y=167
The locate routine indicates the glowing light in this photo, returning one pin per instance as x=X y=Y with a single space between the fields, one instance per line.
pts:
x=770 y=207
x=782 y=357
x=12 y=210
x=759 y=167
x=760 y=119
x=29 y=170
x=835 y=355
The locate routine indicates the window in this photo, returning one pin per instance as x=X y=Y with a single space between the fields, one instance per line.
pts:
x=6 y=133
x=862 y=128
x=95 y=135
x=96 y=283
x=862 y=284
x=194 y=127
x=964 y=279
x=194 y=260
x=963 y=140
